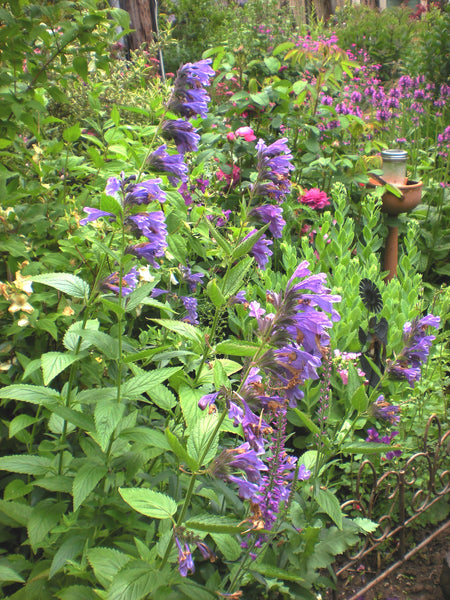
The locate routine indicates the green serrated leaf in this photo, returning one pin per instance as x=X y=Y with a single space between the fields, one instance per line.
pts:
x=228 y=545
x=18 y=511
x=201 y=445
x=180 y=451
x=86 y=479
x=81 y=67
x=214 y=524
x=135 y=581
x=44 y=516
x=8 y=574
x=64 y=282
x=54 y=363
x=306 y=421
x=22 y=463
x=214 y=293
x=149 y=503
x=237 y=348
x=247 y=244
x=72 y=134
x=330 y=505
x=360 y=400
x=274 y=572
x=107 y=416
x=106 y=563
x=34 y=394
x=72 y=341
x=218 y=237
x=235 y=277
x=143 y=383
x=184 y=329
x=68 y=550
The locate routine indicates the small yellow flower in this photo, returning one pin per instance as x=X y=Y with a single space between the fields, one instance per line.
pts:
x=68 y=311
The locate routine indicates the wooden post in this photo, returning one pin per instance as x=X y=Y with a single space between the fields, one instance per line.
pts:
x=140 y=20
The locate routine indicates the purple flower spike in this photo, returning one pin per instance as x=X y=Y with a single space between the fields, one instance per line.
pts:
x=145 y=192
x=273 y=215
x=183 y=134
x=94 y=214
x=190 y=304
x=170 y=163
x=129 y=282
x=185 y=560
x=260 y=250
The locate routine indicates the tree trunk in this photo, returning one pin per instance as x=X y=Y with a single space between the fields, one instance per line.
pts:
x=140 y=20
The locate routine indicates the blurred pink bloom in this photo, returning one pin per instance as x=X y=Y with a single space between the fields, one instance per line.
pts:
x=314 y=198
x=247 y=133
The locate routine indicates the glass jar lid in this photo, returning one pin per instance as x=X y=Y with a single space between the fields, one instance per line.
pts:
x=394 y=155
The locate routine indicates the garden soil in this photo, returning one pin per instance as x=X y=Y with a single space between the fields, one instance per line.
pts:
x=417 y=579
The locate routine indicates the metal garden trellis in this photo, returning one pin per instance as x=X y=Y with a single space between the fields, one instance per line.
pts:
x=424 y=479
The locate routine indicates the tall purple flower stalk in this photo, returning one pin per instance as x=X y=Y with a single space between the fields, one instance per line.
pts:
x=274 y=164
x=150 y=225
x=408 y=365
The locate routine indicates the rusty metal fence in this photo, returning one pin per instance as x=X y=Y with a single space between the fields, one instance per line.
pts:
x=396 y=499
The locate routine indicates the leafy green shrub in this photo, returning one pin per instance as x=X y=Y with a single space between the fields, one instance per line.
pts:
x=387 y=36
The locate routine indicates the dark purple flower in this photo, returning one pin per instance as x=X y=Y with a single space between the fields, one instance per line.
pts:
x=205 y=551
x=384 y=410
x=170 y=163
x=207 y=400
x=149 y=224
x=260 y=250
x=192 y=279
x=188 y=97
x=94 y=213
x=183 y=134
x=185 y=560
x=145 y=192
x=190 y=304
x=149 y=251
x=408 y=364
x=273 y=215
x=274 y=165
x=129 y=282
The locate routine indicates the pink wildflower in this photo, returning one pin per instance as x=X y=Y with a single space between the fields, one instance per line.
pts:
x=247 y=133
x=315 y=199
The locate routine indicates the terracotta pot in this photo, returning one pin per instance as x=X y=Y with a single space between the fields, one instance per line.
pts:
x=411 y=196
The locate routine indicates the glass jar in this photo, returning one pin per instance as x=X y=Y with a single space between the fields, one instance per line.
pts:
x=394 y=166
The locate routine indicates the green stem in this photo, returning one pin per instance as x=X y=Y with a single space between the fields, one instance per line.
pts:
x=190 y=489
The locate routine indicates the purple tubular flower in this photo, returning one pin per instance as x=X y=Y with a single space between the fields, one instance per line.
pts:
x=145 y=192
x=387 y=412
x=260 y=250
x=273 y=215
x=207 y=400
x=183 y=134
x=192 y=279
x=188 y=97
x=129 y=282
x=247 y=490
x=170 y=163
x=190 y=304
x=239 y=298
x=185 y=561
x=94 y=213
x=274 y=164
x=246 y=459
x=149 y=224
x=113 y=185
x=408 y=364
x=149 y=251
x=205 y=551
